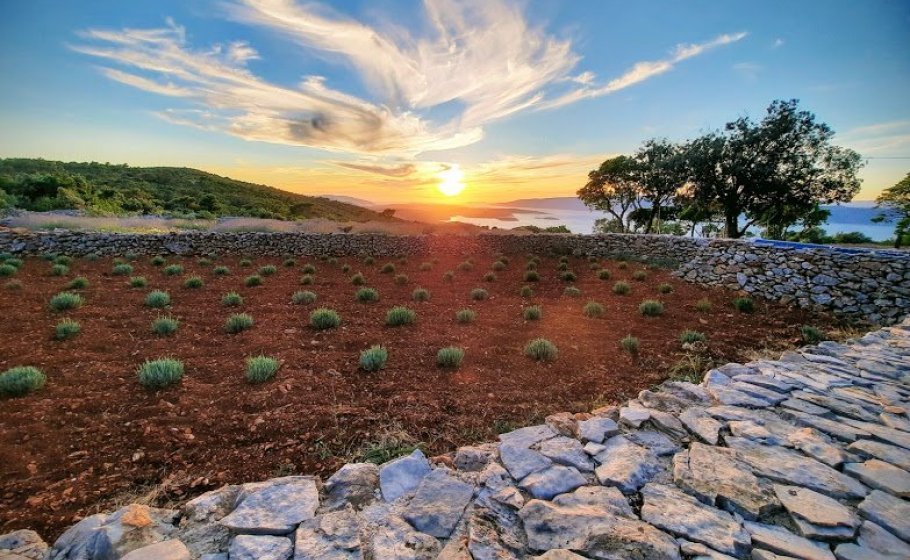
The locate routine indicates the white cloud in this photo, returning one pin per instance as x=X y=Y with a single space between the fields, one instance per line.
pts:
x=483 y=55
x=886 y=139
x=777 y=43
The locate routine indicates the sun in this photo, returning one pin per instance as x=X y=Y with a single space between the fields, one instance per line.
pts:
x=450 y=181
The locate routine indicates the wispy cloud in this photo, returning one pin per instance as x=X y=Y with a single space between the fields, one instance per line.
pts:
x=778 y=43
x=400 y=170
x=886 y=139
x=483 y=55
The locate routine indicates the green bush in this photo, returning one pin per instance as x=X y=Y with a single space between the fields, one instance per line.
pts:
x=420 y=294
x=639 y=275
x=252 y=280
x=399 y=316
x=193 y=282
x=532 y=276
x=221 y=271
x=651 y=308
x=811 y=335
x=499 y=266
x=138 y=282
x=571 y=291
x=449 y=357
x=157 y=299
x=593 y=309
x=531 y=313
x=157 y=374
x=387 y=268
x=232 y=299
x=122 y=270
x=157 y=261
x=92 y=257
x=367 y=294
x=448 y=276
x=165 y=325
x=324 y=318
x=267 y=270
x=66 y=328
x=21 y=380
x=688 y=337
x=173 y=270
x=603 y=274
x=374 y=358
x=289 y=262
x=59 y=270
x=308 y=269
x=541 y=350
x=703 y=306
x=401 y=279
x=621 y=288
x=526 y=292
x=66 y=300
x=64 y=260
x=307 y=280
x=465 y=316
x=7 y=270
x=238 y=322
x=4 y=256
x=744 y=304
x=303 y=298
x=78 y=283
x=664 y=288
x=246 y=262
x=479 y=294
x=261 y=368
x=629 y=344
x=14 y=262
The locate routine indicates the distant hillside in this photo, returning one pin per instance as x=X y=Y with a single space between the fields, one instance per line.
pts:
x=362 y=202
x=553 y=203
x=97 y=188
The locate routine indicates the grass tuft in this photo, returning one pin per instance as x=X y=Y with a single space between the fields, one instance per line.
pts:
x=541 y=350
x=465 y=266
x=629 y=344
x=59 y=270
x=157 y=299
x=232 y=299
x=157 y=374
x=7 y=270
x=252 y=280
x=420 y=294
x=664 y=288
x=374 y=358
x=66 y=300
x=531 y=313
x=465 y=316
x=604 y=274
x=165 y=325
x=260 y=369
x=532 y=276
x=593 y=309
x=324 y=318
x=193 y=282
x=157 y=261
x=246 y=262
x=526 y=292
x=289 y=263
x=812 y=335
x=308 y=269
x=621 y=288
x=367 y=294
x=221 y=271
x=387 y=268
x=267 y=270
x=639 y=275
x=744 y=304
x=489 y=277
x=21 y=380
x=399 y=316
x=173 y=270
x=307 y=280
x=448 y=276
x=688 y=337
x=703 y=306
x=651 y=308
x=138 y=282
x=358 y=279
x=122 y=270
x=449 y=357
x=499 y=266
x=479 y=294
x=304 y=297
x=78 y=283
x=66 y=328
x=401 y=279
x=238 y=322
x=571 y=291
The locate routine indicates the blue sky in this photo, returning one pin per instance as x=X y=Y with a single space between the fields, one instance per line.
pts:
x=376 y=98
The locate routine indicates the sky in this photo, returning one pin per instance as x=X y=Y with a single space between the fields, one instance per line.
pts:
x=472 y=101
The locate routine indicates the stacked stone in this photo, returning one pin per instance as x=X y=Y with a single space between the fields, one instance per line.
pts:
x=803 y=457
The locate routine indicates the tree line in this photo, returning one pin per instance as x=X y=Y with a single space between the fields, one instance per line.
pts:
x=774 y=174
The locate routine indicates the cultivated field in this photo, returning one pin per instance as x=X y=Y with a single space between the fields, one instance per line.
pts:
x=94 y=436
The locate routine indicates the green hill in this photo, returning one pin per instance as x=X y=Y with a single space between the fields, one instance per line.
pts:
x=105 y=189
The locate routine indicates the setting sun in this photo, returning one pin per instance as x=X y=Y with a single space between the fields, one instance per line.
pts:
x=450 y=181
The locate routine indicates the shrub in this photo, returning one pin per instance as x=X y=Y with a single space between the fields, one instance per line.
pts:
x=289 y=262
x=688 y=337
x=333 y=261
x=811 y=335
x=324 y=318
x=426 y=266
x=64 y=260
x=603 y=274
x=92 y=257
x=261 y=368
x=622 y=265
x=66 y=328
x=531 y=265
x=489 y=277
x=503 y=259
x=59 y=270
x=4 y=256
x=369 y=260
x=703 y=306
x=193 y=282
x=400 y=315
x=66 y=300
x=563 y=259
x=165 y=325
x=621 y=288
x=664 y=288
x=345 y=268
x=639 y=275
x=571 y=291
x=448 y=276
x=465 y=266
x=308 y=269
x=204 y=261
x=267 y=270
x=238 y=322
x=465 y=316
x=307 y=280
x=629 y=344
x=122 y=270
x=367 y=294
x=303 y=298
x=138 y=282
x=532 y=276
x=449 y=357
x=157 y=261
x=253 y=280
x=651 y=308
x=78 y=283
x=173 y=270
x=21 y=380
x=531 y=313
x=157 y=299
x=499 y=266
x=157 y=374
x=232 y=299
x=7 y=270
x=593 y=309
x=526 y=292
x=373 y=358
x=541 y=350
x=246 y=262
x=562 y=266
x=131 y=256
x=401 y=279
x=387 y=268
x=358 y=279
x=420 y=294
x=14 y=262
x=221 y=271
x=479 y=294
x=744 y=304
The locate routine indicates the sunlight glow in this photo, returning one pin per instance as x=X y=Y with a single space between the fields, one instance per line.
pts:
x=450 y=181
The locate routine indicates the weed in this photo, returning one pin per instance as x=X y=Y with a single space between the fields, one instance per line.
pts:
x=7 y=270
x=307 y=280
x=267 y=270
x=221 y=271
x=367 y=295
x=531 y=313
x=541 y=350
x=369 y=260
x=563 y=266
x=629 y=344
x=21 y=380
x=59 y=270
x=165 y=325
x=664 y=288
x=246 y=262
x=358 y=279
x=66 y=328
x=324 y=318
x=78 y=283
x=420 y=294
x=173 y=270
x=308 y=269
x=122 y=270
x=639 y=275
x=14 y=262
x=204 y=261
x=691 y=368
x=238 y=322
x=479 y=294
x=289 y=263
x=651 y=308
x=64 y=260
x=261 y=368
x=138 y=282
x=304 y=297
x=157 y=299
x=812 y=335
x=193 y=282
x=526 y=292
x=66 y=300
x=157 y=374
x=232 y=299
x=12 y=285
x=593 y=309
x=465 y=316
x=252 y=280
x=621 y=288
x=400 y=315
x=449 y=357
x=374 y=358
x=688 y=337
x=603 y=274
x=744 y=304
x=157 y=261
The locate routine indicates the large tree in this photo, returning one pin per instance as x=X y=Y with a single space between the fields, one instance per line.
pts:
x=660 y=173
x=613 y=188
x=774 y=172
x=895 y=202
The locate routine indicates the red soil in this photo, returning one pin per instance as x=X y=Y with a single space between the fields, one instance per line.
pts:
x=93 y=437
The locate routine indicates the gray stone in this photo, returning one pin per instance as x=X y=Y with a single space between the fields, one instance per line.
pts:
x=526 y=437
x=275 y=507
x=260 y=547
x=850 y=551
x=402 y=475
x=211 y=506
x=700 y=552
x=633 y=417
x=474 y=458
x=553 y=481
x=755 y=432
x=817 y=446
x=669 y=424
x=439 y=503
x=833 y=428
x=396 y=540
x=566 y=451
x=354 y=483
x=521 y=461
x=881 y=475
x=886 y=510
x=884 y=433
x=25 y=543
x=805 y=407
x=897 y=456
x=331 y=536
x=626 y=465
x=725 y=394
x=781 y=541
x=701 y=424
x=877 y=538
x=597 y=429
x=658 y=443
x=165 y=550
x=671 y=510
x=816 y=508
x=559 y=554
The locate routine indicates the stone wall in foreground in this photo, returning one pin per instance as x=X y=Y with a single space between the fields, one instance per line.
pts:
x=804 y=457
x=873 y=285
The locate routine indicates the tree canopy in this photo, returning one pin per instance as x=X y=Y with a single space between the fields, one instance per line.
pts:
x=895 y=202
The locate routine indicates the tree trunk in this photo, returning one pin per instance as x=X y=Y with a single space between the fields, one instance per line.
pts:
x=731 y=224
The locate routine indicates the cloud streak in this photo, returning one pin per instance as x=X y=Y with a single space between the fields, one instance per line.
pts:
x=481 y=56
